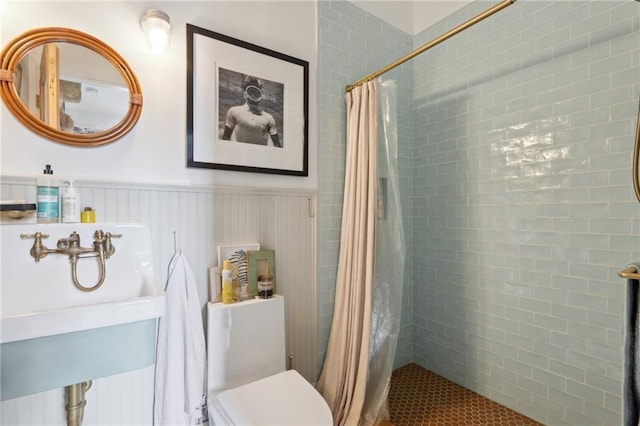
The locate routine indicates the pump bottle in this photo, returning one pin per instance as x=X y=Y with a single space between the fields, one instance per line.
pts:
x=70 y=203
x=48 y=197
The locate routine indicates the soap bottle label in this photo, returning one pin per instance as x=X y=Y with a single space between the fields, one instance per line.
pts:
x=70 y=211
x=48 y=205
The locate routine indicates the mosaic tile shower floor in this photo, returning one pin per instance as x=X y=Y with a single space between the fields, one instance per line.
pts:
x=419 y=397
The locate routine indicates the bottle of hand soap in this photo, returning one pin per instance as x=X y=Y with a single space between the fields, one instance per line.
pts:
x=48 y=197
x=70 y=204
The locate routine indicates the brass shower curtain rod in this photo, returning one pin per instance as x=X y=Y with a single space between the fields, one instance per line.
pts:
x=498 y=7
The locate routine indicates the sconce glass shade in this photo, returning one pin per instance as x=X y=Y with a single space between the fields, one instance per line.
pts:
x=157 y=27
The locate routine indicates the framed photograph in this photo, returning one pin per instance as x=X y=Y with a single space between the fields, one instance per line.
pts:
x=232 y=251
x=262 y=272
x=247 y=106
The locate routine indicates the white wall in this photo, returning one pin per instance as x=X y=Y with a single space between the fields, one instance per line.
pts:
x=155 y=150
x=412 y=16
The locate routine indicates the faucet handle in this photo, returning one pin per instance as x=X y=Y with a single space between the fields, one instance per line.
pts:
x=38 y=250
x=108 y=247
x=36 y=236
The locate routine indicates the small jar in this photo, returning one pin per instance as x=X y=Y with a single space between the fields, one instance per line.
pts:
x=88 y=215
x=265 y=287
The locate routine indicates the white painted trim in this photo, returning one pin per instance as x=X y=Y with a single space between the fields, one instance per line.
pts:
x=164 y=186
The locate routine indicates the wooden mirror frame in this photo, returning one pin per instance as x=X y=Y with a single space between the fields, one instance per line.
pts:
x=18 y=48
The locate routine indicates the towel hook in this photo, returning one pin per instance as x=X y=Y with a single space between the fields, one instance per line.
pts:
x=175 y=250
x=631 y=272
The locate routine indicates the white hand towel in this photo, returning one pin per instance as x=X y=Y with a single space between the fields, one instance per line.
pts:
x=180 y=383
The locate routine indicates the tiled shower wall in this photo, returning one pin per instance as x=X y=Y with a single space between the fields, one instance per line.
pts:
x=524 y=129
x=519 y=200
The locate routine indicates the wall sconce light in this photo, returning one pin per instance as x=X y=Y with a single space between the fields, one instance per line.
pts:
x=157 y=27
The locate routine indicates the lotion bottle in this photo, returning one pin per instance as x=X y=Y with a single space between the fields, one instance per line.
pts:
x=227 y=282
x=48 y=197
x=70 y=204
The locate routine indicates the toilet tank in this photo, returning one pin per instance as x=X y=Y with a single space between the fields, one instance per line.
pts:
x=245 y=342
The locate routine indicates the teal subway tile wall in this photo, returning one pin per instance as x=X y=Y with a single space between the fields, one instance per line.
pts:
x=515 y=153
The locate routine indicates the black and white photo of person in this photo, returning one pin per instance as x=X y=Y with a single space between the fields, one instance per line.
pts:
x=250 y=109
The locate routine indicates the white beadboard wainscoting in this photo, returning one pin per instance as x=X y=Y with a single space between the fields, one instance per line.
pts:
x=194 y=219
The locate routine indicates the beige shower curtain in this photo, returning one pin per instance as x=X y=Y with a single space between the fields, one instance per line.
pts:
x=343 y=379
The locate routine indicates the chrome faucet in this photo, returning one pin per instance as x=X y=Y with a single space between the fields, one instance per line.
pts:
x=102 y=249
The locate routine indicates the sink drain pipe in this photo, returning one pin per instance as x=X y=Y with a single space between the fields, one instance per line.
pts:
x=76 y=402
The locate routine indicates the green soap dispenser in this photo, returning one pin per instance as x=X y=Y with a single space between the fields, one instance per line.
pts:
x=48 y=197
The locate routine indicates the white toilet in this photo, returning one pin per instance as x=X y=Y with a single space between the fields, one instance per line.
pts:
x=247 y=380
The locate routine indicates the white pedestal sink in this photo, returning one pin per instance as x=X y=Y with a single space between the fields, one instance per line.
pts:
x=52 y=334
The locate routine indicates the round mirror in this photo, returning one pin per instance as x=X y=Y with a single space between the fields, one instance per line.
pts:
x=69 y=87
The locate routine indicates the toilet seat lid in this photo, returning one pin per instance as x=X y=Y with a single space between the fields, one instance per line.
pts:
x=282 y=399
